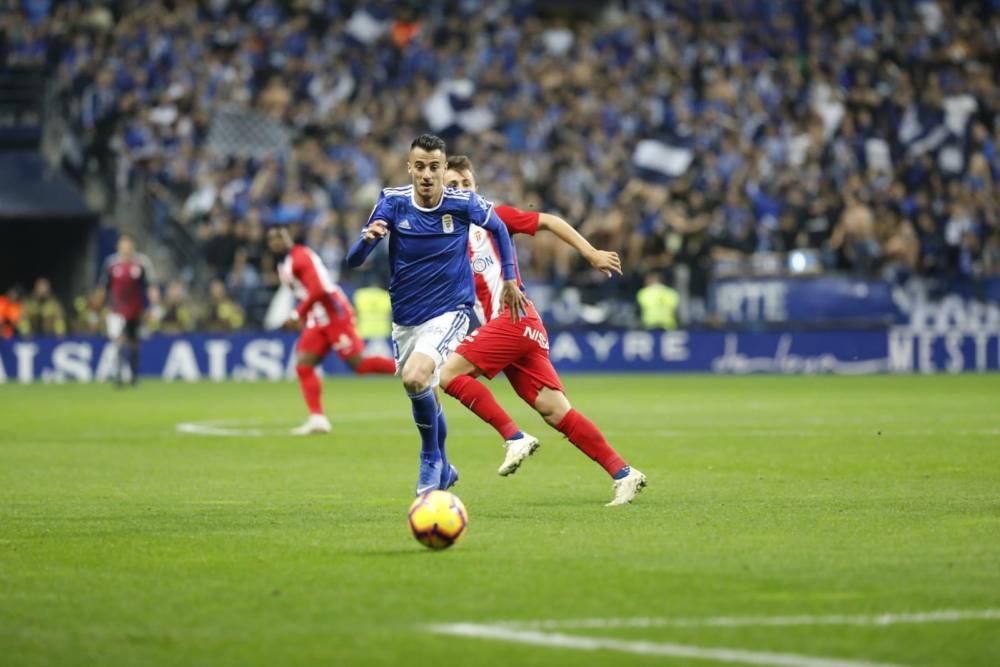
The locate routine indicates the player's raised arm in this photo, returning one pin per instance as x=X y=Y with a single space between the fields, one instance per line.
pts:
x=376 y=229
x=603 y=260
x=371 y=234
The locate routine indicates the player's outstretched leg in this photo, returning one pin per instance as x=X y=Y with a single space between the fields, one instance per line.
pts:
x=554 y=407
x=477 y=397
x=350 y=347
x=417 y=374
x=374 y=366
x=312 y=390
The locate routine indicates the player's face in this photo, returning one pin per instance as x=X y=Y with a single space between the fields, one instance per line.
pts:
x=460 y=180
x=126 y=248
x=277 y=242
x=427 y=171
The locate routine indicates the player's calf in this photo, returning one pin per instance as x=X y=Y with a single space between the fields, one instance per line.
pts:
x=552 y=406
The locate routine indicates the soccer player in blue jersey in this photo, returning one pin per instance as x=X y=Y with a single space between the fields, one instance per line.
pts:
x=431 y=286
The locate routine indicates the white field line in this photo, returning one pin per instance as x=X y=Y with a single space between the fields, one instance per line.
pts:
x=202 y=428
x=259 y=426
x=940 y=616
x=876 y=430
x=730 y=655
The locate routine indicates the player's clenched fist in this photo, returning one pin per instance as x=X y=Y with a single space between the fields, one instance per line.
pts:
x=513 y=298
x=375 y=231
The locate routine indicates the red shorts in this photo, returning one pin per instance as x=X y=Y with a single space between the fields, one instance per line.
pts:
x=520 y=350
x=340 y=336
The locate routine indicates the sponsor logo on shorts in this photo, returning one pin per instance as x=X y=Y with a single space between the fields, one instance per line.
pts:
x=537 y=336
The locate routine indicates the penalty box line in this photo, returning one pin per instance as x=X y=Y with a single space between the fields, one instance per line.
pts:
x=584 y=643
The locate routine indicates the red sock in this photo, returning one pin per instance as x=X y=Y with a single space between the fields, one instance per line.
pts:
x=588 y=439
x=475 y=396
x=311 y=388
x=376 y=366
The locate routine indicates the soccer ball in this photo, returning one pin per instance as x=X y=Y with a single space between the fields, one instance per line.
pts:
x=438 y=519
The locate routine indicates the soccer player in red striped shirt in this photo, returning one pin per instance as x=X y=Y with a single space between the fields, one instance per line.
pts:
x=518 y=345
x=328 y=320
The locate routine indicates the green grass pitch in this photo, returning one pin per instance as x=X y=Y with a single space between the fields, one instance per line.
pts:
x=125 y=542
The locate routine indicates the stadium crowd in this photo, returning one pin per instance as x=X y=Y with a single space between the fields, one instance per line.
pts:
x=678 y=133
x=40 y=312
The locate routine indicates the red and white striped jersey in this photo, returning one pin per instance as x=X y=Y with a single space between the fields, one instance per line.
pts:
x=485 y=258
x=321 y=301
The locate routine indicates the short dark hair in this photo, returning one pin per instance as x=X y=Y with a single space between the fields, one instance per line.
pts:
x=429 y=143
x=461 y=163
x=281 y=229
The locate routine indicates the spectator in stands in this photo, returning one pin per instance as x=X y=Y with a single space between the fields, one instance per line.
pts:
x=242 y=279
x=900 y=248
x=178 y=316
x=220 y=245
x=991 y=255
x=657 y=304
x=853 y=239
x=223 y=313
x=99 y=116
x=91 y=314
x=798 y=120
x=11 y=309
x=42 y=314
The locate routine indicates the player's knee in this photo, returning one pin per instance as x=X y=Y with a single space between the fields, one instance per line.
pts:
x=415 y=380
x=554 y=416
x=306 y=359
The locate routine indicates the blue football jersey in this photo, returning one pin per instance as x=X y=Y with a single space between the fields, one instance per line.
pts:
x=428 y=251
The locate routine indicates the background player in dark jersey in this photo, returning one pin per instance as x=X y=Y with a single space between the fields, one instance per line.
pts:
x=129 y=282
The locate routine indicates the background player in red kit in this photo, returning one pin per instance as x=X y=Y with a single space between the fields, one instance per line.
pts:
x=517 y=344
x=328 y=318
x=129 y=283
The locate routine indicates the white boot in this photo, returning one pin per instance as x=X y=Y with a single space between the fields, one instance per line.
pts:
x=315 y=424
x=628 y=487
x=518 y=450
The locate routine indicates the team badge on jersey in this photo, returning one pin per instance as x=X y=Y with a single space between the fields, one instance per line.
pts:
x=447 y=223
